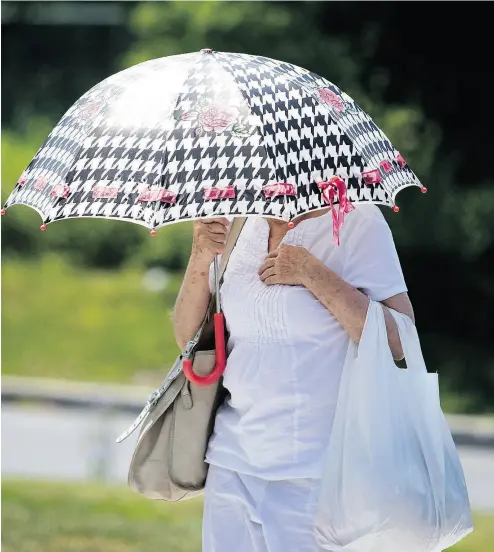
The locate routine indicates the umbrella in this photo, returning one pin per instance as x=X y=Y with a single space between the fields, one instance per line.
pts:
x=212 y=134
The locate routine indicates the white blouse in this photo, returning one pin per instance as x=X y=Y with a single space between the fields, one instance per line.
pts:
x=286 y=351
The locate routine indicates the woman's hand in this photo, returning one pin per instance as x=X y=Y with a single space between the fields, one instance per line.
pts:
x=286 y=265
x=209 y=239
x=194 y=295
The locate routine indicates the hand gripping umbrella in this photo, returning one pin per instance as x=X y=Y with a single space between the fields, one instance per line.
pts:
x=211 y=134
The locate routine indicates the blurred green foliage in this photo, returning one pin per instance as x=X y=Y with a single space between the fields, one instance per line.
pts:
x=59 y=321
x=63 y=517
x=445 y=239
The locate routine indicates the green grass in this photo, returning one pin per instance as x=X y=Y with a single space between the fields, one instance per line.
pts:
x=62 y=322
x=60 y=517
x=63 y=517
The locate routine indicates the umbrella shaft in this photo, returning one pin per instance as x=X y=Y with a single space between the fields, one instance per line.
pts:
x=217 y=284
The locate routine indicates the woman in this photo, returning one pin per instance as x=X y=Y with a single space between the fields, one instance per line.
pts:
x=292 y=300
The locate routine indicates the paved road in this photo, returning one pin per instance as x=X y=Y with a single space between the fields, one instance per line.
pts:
x=80 y=444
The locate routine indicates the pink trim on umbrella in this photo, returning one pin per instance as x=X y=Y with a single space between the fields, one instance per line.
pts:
x=22 y=179
x=157 y=194
x=225 y=192
x=371 y=177
x=60 y=190
x=386 y=166
x=168 y=197
x=334 y=188
x=279 y=189
x=104 y=192
x=401 y=160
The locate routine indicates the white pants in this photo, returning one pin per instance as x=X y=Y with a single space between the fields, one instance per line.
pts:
x=247 y=514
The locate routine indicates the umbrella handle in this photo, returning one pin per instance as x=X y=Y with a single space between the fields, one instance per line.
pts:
x=215 y=375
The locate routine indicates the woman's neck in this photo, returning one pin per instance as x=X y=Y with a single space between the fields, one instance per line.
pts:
x=280 y=227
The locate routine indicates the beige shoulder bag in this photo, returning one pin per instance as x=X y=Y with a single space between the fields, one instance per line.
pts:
x=178 y=418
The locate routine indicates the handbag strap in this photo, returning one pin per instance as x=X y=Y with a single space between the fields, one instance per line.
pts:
x=231 y=241
x=155 y=396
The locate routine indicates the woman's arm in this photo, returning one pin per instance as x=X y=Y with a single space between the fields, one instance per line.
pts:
x=194 y=295
x=349 y=305
x=291 y=265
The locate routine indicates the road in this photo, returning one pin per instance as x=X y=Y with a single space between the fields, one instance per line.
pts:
x=79 y=444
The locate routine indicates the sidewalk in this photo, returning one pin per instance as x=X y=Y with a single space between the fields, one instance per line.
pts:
x=466 y=430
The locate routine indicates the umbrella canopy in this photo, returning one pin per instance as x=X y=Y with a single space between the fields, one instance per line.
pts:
x=211 y=134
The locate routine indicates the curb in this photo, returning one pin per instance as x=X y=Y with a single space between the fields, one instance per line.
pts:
x=467 y=430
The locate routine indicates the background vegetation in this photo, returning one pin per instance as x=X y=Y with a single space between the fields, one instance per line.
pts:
x=427 y=98
x=80 y=302
x=62 y=517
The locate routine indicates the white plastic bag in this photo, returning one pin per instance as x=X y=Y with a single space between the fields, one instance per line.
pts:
x=393 y=480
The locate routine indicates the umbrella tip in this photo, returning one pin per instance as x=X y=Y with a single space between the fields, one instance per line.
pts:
x=207 y=51
x=291 y=225
x=396 y=209
x=2 y=212
x=153 y=232
x=42 y=227
x=423 y=189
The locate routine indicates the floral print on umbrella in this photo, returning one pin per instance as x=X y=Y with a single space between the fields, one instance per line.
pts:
x=328 y=97
x=341 y=101
x=216 y=117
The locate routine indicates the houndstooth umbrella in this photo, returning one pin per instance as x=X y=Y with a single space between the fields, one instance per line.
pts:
x=211 y=134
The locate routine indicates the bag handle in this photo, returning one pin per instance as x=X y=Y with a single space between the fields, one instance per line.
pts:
x=375 y=330
x=219 y=321
x=410 y=342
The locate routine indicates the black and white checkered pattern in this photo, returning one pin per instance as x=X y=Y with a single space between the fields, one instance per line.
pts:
x=205 y=120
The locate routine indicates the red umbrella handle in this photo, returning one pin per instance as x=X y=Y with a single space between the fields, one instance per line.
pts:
x=214 y=376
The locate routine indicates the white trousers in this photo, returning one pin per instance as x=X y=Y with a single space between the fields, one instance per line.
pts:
x=247 y=514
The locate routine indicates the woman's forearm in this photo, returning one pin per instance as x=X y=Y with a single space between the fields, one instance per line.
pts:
x=347 y=304
x=192 y=300
x=209 y=240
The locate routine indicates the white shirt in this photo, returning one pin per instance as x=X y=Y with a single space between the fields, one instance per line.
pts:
x=286 y=351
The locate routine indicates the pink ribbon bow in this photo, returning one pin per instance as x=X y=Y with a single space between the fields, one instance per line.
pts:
x=335 y=188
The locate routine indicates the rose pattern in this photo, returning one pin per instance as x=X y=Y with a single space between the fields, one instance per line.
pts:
x=217 y=119
x=90 y=110
x=372 y=176
x=40 y=184
x=340 y=101
x=386 y=166
x=327 y=96
x=401 y=161
x=279 y=189
x=212 y=117
x=157 y=194
x=61 y=191
x=217 y=192
x=104 y=192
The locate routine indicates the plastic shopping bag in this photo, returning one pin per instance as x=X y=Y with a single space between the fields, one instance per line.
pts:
x=392 y=480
